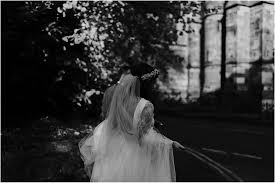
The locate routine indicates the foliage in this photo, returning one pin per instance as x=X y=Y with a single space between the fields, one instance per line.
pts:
x=46 y=152
x=63 y=55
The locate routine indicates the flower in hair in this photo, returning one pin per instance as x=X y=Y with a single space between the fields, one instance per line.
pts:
x=150 y=75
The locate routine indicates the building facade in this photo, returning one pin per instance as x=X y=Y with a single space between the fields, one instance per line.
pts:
x=231 y=50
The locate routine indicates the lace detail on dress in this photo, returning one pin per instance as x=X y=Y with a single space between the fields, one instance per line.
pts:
x=146 y=119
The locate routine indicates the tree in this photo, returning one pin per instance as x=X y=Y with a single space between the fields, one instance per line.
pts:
x=64 y=54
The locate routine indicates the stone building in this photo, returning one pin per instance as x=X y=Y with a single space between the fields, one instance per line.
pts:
x=231 y=50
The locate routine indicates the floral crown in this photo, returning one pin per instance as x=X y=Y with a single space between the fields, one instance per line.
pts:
x=150 y=75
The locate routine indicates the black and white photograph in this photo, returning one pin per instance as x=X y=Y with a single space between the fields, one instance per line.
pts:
x=137 y=91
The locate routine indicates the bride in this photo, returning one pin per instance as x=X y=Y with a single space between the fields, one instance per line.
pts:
x=125 y=146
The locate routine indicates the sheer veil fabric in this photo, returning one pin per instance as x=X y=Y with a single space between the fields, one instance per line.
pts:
x=129 y=150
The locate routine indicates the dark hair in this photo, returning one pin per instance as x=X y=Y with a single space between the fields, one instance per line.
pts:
x=139 y=70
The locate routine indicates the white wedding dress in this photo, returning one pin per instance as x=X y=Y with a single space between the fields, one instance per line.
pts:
x=122 y=158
